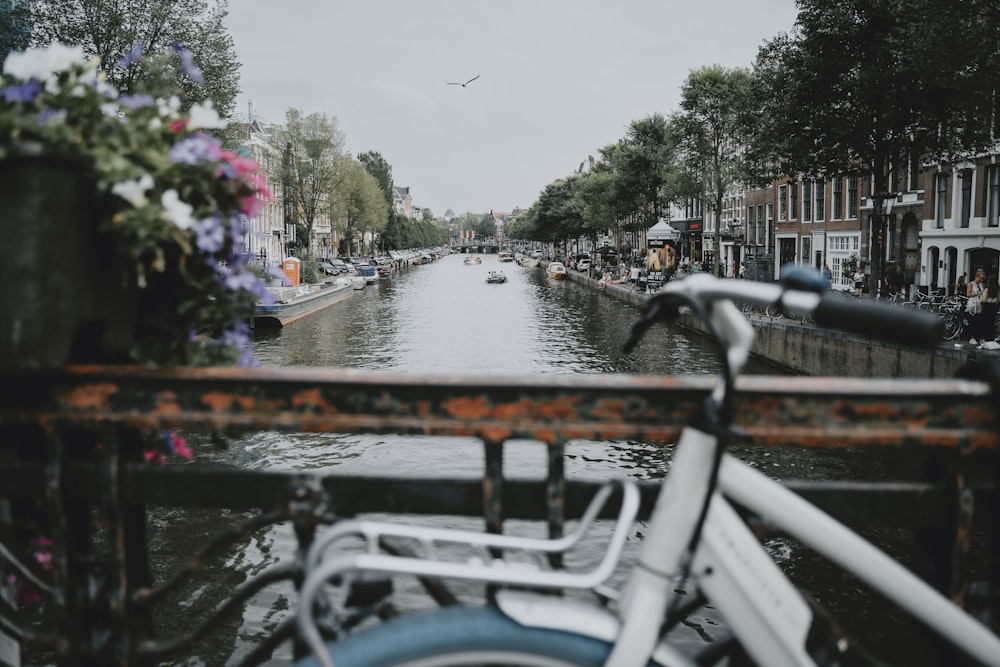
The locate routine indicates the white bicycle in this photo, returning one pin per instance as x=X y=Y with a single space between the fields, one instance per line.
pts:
x=695 y=538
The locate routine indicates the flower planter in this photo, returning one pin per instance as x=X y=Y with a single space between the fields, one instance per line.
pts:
x=61 y=302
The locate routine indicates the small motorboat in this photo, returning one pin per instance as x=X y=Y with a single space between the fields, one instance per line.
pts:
x=505 y=256
x=472 y=259
x=496 y=277
x=556 y=270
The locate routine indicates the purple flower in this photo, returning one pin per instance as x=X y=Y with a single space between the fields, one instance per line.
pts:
x=199 y=147
x=187 y=64
x=48 y=115
x=136 y=101
x=133 y=55
x=26 y=92
x=210 y=235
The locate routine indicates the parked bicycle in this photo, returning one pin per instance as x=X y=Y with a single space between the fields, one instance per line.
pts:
x=695 y=540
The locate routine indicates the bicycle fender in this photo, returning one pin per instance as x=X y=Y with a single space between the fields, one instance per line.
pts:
x=553 y=613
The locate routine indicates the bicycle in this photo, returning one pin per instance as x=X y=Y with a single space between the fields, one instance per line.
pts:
x=694 y=536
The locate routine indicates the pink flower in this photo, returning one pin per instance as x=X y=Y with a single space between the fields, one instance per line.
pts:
x=180 y=446
x=178 y=126
x=244 y=165
x=251 y=206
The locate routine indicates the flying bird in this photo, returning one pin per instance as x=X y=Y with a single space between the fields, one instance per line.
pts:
x=463 y=85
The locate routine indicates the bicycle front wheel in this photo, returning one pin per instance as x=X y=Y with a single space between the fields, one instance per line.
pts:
x=952 y=324
x=462 y=636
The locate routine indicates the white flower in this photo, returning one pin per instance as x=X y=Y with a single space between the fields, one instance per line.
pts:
x=41 y=62
x=204 y=116
x=134 y=192
x=177 y=211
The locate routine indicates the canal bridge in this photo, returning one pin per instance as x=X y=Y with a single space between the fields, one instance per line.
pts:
x=75 y=480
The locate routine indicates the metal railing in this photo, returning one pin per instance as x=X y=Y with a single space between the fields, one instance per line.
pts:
x=73 y=447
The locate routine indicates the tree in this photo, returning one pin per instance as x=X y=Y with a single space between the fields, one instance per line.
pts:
x=598 y=196
x=643 y=164
x=871 y=87
x=558 y=211
x=712 y=131
x=15 y=26
x=359 y=209
x=377 y=166
x=110 y=29
x=311 y=169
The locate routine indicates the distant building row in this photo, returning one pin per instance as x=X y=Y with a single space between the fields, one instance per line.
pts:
x=943 y=221
x=269 y=234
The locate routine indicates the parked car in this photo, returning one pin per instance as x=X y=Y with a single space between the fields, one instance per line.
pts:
x=341 y=265
x=583 y=264
x=327 y=267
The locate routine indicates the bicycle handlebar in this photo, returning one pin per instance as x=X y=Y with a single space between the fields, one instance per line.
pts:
x=799 y=293
x=898 y=325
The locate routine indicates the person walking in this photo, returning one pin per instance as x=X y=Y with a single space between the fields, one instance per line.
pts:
x=827 y=275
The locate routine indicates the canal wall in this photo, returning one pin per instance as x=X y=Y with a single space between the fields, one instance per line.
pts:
x=809 y=350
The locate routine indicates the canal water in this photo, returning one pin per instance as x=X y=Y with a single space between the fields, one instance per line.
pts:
x=443 y=318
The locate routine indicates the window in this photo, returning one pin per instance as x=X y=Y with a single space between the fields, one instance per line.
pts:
x=766 y=225
x=806 y=243
x=807 y=201
x=793 y=207
x=852 y=198
x=782 y=203
x=751 y=222
x=820 y=200
x=940 y=199
x=993 y=196
x=838 y=198
x=913 y=171
x=966 y=177
x=759 y=231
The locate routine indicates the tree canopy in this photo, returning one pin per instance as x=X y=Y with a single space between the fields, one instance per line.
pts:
x=111 y=29
x=312 y=169
x=712 y=130
x=873 y=86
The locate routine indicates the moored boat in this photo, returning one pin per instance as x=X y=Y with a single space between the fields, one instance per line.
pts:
x=556 y=270
x=505 y=256
x=293 y=303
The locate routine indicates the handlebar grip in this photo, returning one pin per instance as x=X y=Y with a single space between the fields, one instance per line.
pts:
x=875 y=320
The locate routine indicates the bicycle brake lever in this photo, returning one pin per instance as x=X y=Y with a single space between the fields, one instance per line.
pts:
x=665 y=307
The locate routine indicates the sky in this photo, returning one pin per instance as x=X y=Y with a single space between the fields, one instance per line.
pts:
x=558 y=79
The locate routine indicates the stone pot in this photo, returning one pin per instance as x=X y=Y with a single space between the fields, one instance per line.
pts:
x=61 y=301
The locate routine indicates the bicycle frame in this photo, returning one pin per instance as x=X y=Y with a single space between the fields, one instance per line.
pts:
x=694 y=531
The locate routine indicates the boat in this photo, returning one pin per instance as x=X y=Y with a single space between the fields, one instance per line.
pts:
x=556 y=270
x=472 y=259
x=505 y=256
x=369 y=273
x=530 y=262
x=496 y=277
x=294 y=303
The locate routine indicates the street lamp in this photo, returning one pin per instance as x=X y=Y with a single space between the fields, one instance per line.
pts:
x=736 y=231
x=881 y=208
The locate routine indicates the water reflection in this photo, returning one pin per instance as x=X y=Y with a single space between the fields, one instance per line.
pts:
x=444 y=318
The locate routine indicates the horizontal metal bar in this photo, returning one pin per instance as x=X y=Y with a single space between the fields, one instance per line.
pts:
x=899 y=504
x=804 y=411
